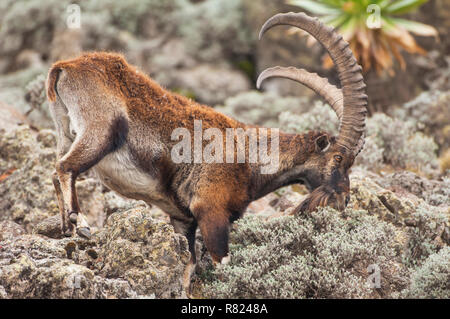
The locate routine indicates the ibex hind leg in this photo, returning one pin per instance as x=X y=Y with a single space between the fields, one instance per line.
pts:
x=87 y=150
x=61 y=120
x=64 y=142
x=100 y=127
x=66 y=228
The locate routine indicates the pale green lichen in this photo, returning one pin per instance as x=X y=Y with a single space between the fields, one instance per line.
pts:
x=425 y=236
x=432 y=279
x=322 y=255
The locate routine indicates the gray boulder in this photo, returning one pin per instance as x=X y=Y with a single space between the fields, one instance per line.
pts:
x=133 y=256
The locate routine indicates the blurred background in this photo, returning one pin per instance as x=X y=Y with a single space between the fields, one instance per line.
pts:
x=208 y=50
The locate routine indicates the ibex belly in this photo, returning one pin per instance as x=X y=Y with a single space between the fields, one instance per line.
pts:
x=118 y=172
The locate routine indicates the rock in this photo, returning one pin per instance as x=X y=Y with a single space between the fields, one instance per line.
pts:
x=262 y=205
x=34 y=267
x=50 y=227
x=133 y=256
x=115 y=203
x=16 y=147
x=47 y=138
x=3 y=294
x=27 y=194
x=145 y=252
x=10 y=229
x=434 y=192
x=368 y=195
x=10 y=118
x=25 y=91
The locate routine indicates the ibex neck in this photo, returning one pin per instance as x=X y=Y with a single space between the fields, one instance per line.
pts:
x=294 y=150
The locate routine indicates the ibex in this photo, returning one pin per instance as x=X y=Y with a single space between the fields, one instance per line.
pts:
x=114 y=119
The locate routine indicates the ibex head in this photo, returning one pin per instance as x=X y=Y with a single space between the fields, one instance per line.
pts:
x=327 y=178
x=327 y=167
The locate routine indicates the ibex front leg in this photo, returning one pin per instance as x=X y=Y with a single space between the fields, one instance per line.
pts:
x=87 y=150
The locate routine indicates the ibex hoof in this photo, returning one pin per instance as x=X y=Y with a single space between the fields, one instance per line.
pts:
x=68 y=233
x=225 y=260
x=73 y=217
x=84 y=232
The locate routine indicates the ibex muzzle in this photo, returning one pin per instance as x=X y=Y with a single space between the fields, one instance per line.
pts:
x=114 y=119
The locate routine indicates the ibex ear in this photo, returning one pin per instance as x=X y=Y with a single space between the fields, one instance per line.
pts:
x=322 y=143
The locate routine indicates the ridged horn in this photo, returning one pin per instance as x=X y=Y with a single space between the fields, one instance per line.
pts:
x=354 y=112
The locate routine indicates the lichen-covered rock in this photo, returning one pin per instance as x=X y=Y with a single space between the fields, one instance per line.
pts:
x=133 y=256
x=434 y=192
x=24 y=89
x=36 y=267
x=10 y=229
x=27 y=194
x=368 y=195
x=49 y=227
x=10 y=118
x=144 y=251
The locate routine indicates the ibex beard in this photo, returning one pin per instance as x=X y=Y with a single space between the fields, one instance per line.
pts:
x=114 y=119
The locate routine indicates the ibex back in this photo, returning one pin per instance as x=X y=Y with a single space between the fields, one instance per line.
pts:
x=114 y=119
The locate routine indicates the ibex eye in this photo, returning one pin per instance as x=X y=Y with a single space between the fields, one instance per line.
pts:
x=338 y=158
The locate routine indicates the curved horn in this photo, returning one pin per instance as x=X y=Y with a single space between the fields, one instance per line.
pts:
x=331 y=94
x=350 y=75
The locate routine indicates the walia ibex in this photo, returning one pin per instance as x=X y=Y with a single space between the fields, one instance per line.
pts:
x=114 y=119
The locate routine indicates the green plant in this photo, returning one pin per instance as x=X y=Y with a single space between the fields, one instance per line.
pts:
x=401 y=144
x=425 y=236
x=322 y=255
x=372 y=27
x=432 y=279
